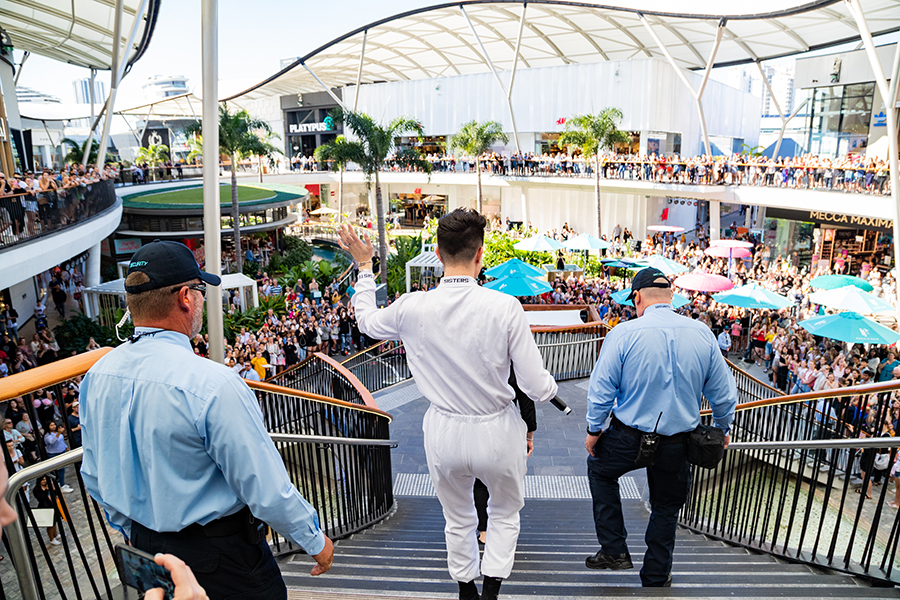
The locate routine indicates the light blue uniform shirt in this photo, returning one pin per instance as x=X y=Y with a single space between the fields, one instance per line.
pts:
x=172 y=439
x=660 y=363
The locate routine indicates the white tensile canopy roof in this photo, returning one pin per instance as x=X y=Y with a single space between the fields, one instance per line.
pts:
x=78 y=32
x=183 y=106
x=438 y=41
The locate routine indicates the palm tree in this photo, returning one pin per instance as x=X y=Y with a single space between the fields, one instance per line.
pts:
x=264 y=148
x=378 y=142
x=340 y=152
x=153 y=155
x=239 y=135
x=76 y=152
x=475 y=139
x=593 y=134
x=195 y=147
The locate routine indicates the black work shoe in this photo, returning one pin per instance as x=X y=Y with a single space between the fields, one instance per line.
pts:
x=468 y=591
x=602 y=560
x=490 y=588
x=668 y=583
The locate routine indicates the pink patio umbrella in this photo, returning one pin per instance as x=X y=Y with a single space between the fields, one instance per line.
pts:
x=704 y=282
x=733 y=248
x=726 y=252
x=731 y=243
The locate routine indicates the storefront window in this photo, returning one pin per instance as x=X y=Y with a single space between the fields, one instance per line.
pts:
x=839 y=118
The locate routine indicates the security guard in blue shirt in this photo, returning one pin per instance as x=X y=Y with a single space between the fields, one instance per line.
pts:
x=175 y=449
x=653 y=371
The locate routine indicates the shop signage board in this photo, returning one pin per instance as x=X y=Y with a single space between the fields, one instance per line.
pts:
x=831 y=218
x=127 y=245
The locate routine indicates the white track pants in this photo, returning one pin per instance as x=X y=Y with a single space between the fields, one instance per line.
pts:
x=492 y=448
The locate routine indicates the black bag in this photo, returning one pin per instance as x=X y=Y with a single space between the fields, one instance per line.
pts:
x=706 y=446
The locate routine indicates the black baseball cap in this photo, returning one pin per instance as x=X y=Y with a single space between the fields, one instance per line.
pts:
x=166 y=263
x=651 y=277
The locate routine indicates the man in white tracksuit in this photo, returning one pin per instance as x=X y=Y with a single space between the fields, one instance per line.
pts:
x=460 y=340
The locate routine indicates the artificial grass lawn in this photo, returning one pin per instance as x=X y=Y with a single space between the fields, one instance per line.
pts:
x=195 y=195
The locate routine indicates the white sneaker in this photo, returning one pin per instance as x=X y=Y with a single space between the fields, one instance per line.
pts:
x=56 y=542
x=66 y=489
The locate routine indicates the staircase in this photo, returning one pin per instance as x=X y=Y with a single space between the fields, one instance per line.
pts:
x=404 y=556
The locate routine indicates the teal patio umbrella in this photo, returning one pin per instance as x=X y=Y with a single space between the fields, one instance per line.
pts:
x=621 y=297
x=519 y=285
x=752 y=295
x=830 y=282
x=539 y=243
x=513 y=267
x=850 y=327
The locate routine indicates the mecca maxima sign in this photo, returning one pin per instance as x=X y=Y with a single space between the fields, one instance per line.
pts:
x=830 y=218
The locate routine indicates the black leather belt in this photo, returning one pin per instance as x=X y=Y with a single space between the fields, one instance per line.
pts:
x=664 y=440
x=221 y=527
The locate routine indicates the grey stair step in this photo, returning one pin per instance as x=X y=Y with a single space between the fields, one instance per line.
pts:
x=405 y=556
x=439 y=563
x=511 y=590
x=359 y=542
x=572 y=574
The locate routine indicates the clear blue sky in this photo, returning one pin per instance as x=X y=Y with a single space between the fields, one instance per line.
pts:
x=253 y=36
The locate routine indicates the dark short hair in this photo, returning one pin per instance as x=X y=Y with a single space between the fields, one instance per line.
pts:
x=460 y=234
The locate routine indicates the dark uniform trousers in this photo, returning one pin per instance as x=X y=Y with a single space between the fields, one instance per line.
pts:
x=227 y=567
x=669 y=479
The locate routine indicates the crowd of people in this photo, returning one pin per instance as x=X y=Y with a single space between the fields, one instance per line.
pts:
x=790 y=358
x=33 y=204
x=852 y=173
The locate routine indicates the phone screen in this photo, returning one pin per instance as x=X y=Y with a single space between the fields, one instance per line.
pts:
x=139 y=571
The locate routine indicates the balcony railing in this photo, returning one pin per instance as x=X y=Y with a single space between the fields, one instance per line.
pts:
x=568 y=353
x=336 y=451
x=24 y=217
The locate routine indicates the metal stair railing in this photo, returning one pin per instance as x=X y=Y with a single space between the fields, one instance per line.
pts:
x=336 y=452
x=788 y=483
x=568 y=352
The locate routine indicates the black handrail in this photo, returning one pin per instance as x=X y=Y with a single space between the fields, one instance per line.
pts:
x=799 y=503
x=29 y=216
x=336 y=450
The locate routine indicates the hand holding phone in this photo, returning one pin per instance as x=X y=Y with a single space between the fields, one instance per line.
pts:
x=162 y=577
x=139 y=570
x=186 y=586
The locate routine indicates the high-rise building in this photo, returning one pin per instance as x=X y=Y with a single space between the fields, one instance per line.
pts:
x=781 y=80
x=83 y=91
x=159 y=87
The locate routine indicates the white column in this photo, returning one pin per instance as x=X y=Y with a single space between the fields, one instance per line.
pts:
x=889 y=93
x=117 y=56
x=697 y=93
x=212 y=222
x=715 y=226
x=506 y=90
x=92 y=267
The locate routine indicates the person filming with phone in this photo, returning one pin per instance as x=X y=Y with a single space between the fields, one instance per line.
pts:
x=175 y=449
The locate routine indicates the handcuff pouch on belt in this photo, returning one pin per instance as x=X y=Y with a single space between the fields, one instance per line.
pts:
x=647 y=449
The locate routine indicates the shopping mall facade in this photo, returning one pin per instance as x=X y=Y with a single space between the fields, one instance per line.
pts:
x=533 y=67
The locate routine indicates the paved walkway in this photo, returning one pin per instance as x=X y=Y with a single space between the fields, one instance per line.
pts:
x=556 y=469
